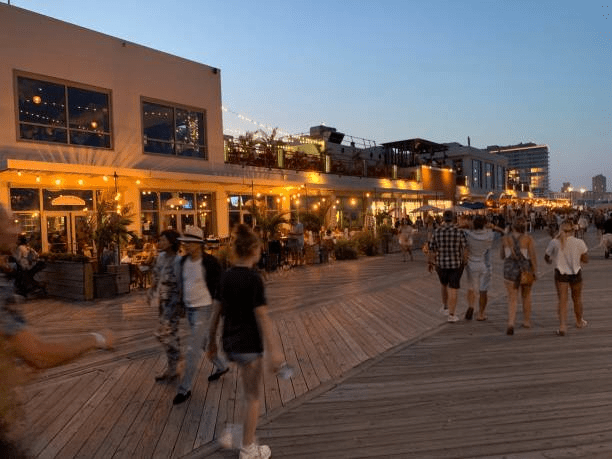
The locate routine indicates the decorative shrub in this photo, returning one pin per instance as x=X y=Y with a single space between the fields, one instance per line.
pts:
x=346 y=250
x=367 y=243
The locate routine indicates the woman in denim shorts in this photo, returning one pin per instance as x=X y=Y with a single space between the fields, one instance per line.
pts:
x=246 y=332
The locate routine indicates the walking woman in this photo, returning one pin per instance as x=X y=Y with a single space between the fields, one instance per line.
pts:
x=568 y=253
x=518 y=251
x=247 y=331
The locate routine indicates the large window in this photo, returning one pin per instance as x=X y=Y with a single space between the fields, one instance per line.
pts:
x=61 y=113
x=170 y=130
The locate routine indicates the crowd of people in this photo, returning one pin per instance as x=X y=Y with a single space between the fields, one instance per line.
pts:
x=189 y=284
x=454 y=247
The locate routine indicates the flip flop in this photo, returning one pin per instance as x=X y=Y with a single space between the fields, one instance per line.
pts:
x=481 y=318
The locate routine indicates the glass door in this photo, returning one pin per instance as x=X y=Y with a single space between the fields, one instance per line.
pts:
x=67 y=232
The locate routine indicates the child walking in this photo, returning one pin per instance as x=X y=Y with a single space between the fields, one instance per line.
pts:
x=247 y=331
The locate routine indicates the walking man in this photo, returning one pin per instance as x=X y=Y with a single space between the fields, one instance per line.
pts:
x=448 y=253
x=480 y=241
x=199 y=276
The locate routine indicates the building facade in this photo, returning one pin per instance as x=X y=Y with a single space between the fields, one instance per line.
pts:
x=528 y=167
x=86 y=116
x=599 y=184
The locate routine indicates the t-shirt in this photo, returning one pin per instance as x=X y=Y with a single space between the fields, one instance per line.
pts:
x=241 y=292
x=567 y=261
x=448 y=242
x=479 y=241
x=195 y=291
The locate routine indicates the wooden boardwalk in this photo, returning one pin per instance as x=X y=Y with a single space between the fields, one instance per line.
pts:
x=379 y=374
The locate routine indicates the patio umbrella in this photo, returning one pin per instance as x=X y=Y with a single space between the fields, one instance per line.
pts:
x=426 y=208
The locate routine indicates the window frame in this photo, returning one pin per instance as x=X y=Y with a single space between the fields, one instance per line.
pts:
x=67 y=85
x=174 y=107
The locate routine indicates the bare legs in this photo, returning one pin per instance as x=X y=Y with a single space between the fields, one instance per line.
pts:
x=449 y=298
x=251 y=380
x=562 y=294
x=513 y=293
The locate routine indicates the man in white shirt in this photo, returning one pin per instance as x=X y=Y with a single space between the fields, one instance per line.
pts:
x=195 y=287
x=479 y=241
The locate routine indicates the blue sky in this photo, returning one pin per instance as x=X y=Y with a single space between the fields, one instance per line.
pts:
x=500 y=72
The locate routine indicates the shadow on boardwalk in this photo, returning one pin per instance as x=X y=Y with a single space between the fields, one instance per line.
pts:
x=379 y=375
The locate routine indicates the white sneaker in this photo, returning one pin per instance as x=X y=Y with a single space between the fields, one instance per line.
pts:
x=443 y=310
x=452 y=318
x=255 y=451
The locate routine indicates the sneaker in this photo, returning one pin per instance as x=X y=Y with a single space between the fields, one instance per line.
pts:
x=583 y=323
x=443 y=310
x=255 y=451
x=452 y=318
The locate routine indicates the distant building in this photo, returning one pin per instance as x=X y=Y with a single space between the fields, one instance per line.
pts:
x=479 y=173
x=528 y=166
x=599 y=184
x=566 y=187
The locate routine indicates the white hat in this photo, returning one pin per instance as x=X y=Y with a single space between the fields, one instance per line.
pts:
x=192 y=234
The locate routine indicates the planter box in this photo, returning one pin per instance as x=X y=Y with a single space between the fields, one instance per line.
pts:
x=122 y=277
x=104 y=285
x=68 y=279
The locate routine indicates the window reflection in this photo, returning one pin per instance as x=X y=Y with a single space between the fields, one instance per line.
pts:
x=25 y=199
x=42 y=114
x=173 y=131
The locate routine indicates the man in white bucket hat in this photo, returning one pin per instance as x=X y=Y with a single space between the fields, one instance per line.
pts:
x=198 y=284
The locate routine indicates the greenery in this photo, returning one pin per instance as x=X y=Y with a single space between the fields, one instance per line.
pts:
x=367 y=243
x=109 y=226
x=346 y=249
x=269 y=221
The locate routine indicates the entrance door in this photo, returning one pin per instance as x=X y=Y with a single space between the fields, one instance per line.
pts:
x=67 y=232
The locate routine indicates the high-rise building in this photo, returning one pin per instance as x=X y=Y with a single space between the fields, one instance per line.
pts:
x=528 y=165
x=599 y=184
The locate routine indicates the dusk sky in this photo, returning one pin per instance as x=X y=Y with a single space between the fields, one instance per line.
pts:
x=500 y=72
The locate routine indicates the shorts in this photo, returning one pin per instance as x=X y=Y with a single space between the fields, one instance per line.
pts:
x=571 y=279
x=450 y=277
x=478 y=277
x=243 y=359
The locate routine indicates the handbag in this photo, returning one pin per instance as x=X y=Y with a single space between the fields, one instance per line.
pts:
x=527 y=276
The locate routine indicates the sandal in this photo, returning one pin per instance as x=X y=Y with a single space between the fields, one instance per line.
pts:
x=481 y=318
x=559 y=332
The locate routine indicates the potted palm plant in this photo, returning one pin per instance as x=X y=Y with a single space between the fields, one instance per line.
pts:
x=111 y=230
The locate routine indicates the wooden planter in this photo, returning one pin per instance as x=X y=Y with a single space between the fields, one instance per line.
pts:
x=122 y=277
x=69 y=279
x=104 y=285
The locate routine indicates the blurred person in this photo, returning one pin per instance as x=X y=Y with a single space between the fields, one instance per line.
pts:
x=198 y=283
x=28 y=265
x=568 y=254
x=19 y=343
x=405 y=238
x=164 y=286
x=518 y=250
x=247 y=332
x=448 y=253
